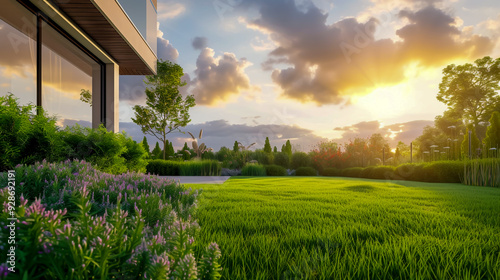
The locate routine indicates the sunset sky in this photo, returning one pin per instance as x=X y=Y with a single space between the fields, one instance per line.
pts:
x=314 y=70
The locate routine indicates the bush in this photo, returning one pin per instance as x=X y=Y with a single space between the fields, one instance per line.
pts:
x=331 y=172
x=275 y=170
x=94 y=225
x=224 y=154
x=26 y=137
x=262 y=157
x=135 y=155
x=300 y=159
x=163 y=167
x=353 y=172
x=410 y=171
x=306 y=171
x=282 y=159
x=366 y=172
x=383 y=172
x=253 y=170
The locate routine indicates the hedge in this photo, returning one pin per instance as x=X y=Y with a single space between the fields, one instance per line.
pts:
x=187 y=168
x=275 y=170
x=305 y=171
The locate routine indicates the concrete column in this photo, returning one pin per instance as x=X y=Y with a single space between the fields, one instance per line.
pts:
x=96 y=96
x=112 y=97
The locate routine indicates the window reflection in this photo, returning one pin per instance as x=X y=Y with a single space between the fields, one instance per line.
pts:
x=18 y=52
x=66 y=78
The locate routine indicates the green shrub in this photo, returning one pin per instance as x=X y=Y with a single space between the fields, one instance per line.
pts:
x=135 y=154
x=410 y=171
x=26 y=137
x=208 y=155
x=275 y=170
x=331 y=172
x=300 y=159
x=200 y=168
x=101 y=147
x=447 y=171
x=306 y=171
x=383 y=172
x=224 y=154
x=366 y=172
x=262 y=157
x=163 y=167
x=282 y=159
x=353 y=172
x=253 y=170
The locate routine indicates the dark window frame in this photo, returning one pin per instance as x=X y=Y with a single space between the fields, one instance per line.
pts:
x=41 y=17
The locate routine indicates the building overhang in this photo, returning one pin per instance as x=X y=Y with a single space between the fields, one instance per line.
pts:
x=105 y=23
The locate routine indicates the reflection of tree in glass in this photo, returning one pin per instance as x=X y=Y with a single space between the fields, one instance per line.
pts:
x=86 y=96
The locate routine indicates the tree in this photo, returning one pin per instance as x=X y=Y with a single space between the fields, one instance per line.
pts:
x=267 y=146
x=165 y=111
x=156 y=153
x=378 y=148
x=288 y=148
x=469 y=89
x=431 y=136
x=146 y=145
x=474 y=143
x=492 y=139
x=236 y=147
x=275 y=150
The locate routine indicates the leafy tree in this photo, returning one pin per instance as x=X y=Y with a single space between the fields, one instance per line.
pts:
x=283 y=148
x=377 y=146
x=431 y=136
x=469 y=89
x=236 y=147
x=156 y=153
x=475 y=144
x=145 y=145
x=492 y=139
x=275 y=150
x=165 y=111
x=357 y=151
x=267 y=146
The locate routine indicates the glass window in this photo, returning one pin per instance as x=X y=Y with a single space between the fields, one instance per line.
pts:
x=67 y=78
x=18 y=52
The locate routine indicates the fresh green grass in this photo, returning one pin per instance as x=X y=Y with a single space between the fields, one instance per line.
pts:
x=341 y=228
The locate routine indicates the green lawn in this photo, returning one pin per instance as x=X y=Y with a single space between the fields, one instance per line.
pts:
x=340 y=228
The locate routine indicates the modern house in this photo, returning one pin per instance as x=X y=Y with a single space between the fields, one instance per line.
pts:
x=53 y=52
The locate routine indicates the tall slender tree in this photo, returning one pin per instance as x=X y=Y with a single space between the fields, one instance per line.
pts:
x=267 y=146
x=166 y=111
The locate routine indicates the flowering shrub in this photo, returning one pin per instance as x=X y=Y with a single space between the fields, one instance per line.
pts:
x=75 y=222
x=328 y=155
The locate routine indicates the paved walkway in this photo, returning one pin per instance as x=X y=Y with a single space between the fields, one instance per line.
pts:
x=198 y=179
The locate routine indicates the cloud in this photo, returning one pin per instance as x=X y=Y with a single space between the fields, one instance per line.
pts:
x=132 y=88
x=328 y=63
x=405 y=132
x=165 y=50
x=170 y=10
x=199 y=43
x=217 y=79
